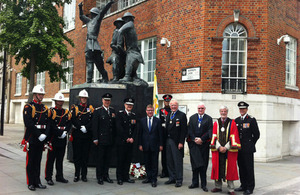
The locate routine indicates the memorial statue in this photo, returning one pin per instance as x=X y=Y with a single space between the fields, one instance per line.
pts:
x=133 y=53
x=117 y=59
x=93 y=52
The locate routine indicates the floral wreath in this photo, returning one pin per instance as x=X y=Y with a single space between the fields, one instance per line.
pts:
x=137 y=170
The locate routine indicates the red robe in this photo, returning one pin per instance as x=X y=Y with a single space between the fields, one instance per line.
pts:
x=231 y=171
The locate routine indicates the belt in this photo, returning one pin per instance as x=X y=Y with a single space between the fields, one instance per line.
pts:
x=41 y=126
x=61 y=127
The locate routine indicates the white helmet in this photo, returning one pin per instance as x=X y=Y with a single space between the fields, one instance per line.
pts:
x=83 y=93
x=59 y=97
x=38 y=89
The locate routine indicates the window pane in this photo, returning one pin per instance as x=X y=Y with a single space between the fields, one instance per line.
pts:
x=233 y=71
x=241 y=71
x=225 y=44
x=242 y=45
x=242 y=58
x=233 y=44
x=233 y=58
x=225 y=58
x=225 y=71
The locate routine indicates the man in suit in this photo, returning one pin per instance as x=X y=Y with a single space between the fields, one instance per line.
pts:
x=163 y=113
x=199 y=135
x=176 y=126
x=126 y=129
x=150 y=142
x=249 y=134
x=103 y=134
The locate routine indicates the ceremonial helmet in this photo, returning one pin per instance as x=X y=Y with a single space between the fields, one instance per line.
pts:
x=120 y=20
x=38 y=89
x=83 y=93
x=128 y=14
x=59 y=97
x=95 y=10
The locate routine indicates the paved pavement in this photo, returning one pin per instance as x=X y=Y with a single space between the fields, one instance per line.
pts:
x=280 y=177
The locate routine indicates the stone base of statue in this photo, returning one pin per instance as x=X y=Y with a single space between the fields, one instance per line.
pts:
x=142 y=94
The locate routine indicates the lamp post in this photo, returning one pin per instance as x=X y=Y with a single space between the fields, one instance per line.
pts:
x=3 y=94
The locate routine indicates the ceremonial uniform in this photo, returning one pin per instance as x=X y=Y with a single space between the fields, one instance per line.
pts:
x=249 y=134
x=36 y=121
x=126 y=128
x=81 y=142
x=104 y=131
x=60 y=125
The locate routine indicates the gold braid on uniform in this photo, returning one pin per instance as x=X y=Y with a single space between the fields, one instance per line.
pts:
x=35 y=111
x=54 y=115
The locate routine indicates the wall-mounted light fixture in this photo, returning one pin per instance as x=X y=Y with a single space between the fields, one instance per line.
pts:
x=286 y=39
x=165 y=41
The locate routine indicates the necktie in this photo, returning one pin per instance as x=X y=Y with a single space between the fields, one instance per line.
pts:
x=149 y=124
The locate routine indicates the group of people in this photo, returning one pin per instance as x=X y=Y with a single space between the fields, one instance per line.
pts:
x=232 y=141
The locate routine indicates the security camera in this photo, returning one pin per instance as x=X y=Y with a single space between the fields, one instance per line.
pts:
x=165 y=41
x=286 y=39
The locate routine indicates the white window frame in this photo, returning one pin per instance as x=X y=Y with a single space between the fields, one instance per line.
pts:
x=18 y=84
x=122 y=4
x=27 y=87
x=69 y=13
x=40 y=79
x=291 y=64
x=69 y=75
x=235 y=35
x=146 y=71
x=96 y=75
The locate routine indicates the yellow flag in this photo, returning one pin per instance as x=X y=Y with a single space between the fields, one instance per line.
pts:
x=155 y=96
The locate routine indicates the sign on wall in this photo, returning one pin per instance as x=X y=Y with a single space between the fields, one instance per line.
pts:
x=191 y=74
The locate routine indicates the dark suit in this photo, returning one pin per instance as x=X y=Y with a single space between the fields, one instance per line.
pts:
x=151 y=140
x=103 y=131
x=249 y=134
x=163 y=113
x=199 y=154
x=126 y=128
x=176 y=132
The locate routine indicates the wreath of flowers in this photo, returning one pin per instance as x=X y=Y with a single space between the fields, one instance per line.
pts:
x=137 y=170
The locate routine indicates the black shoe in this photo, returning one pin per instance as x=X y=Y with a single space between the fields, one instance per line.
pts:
x=163 y=175
x=192 y=186
x=31 y=187
x=41 y=186
x=76 y=179
x=248 y=192
x=120 y=182
x=84 y=179
x=154 y=184
x=178 y=184
x=100 y=181
x=146 y=181
x=170 y=182
x=50 y=182
x=108 y=180
x=240 y=189
x=62 y=180
x=130 y=181
x=205 y=189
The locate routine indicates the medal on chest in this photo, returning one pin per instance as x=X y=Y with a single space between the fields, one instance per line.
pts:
x=222 y=129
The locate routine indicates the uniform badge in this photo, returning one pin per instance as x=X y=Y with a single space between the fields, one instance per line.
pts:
x=133 y=121
x=199 y=124
x=113 y=115
x=177 y=123
x=88 y=109
x=246 y=125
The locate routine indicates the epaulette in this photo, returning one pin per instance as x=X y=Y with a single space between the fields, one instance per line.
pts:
x=121 y=110
x=132 y=113
x=91 y=108
x=69 y=115
x=97 y=108
x=32 y=107
x=250 y=116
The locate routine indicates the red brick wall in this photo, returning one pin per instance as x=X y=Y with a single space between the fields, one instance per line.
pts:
x=193 y=27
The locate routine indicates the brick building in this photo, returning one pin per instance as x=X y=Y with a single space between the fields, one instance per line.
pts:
x=220 y=52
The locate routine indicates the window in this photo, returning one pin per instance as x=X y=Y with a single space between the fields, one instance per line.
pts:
x=27 y=87
x=148 y=50
x=234 y=59
x=96 y=75
x=121 y=5
x=69 y=75
x=69 y=15
x=40 y=79
x=18 y=84
x=291 y=55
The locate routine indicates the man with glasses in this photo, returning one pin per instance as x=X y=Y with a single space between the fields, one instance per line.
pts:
x=199 y=135
x=103 y=126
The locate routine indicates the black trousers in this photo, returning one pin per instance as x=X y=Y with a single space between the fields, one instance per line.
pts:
x=174 y=161
x=33 y=163
x=246 y=170
x=151 y=164
x=103 y=161
x=124 y=153
x=57 y=155
x=164 y=160
x=81 y=150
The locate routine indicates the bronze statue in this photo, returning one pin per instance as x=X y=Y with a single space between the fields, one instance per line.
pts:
x=133 y=53
x=93 y=52
x=117 y=59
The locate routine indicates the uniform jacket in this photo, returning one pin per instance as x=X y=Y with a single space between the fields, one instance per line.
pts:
x=232 y=153
x=177 y=127
x=60 y=122
x=36 y=120
x=248 y=132
x=82 y=115
x=104 y=125
x=126 y=126
x=150 y=140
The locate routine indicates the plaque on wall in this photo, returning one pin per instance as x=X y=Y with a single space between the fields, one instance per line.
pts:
x=191 y=74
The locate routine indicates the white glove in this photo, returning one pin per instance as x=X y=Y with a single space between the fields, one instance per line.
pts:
x=42 y=137
x=83 y=129
x=63 y=135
